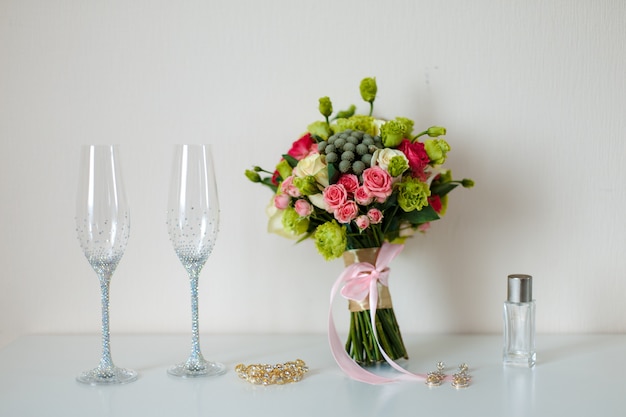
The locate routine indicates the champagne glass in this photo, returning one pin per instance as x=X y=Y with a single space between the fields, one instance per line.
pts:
x=192 y=224
x=102 y=225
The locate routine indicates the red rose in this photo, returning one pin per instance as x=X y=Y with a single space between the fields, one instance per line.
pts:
x=417 y=156
x=435 y=202
x=275 y=177
x=302 y=147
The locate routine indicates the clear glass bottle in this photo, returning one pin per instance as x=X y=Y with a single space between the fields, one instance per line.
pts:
x=519 y=322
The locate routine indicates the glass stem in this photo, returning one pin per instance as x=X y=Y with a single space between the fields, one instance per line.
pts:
x=105 y=362
x=196 y=355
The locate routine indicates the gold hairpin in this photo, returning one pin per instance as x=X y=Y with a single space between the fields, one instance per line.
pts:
x=279 y=374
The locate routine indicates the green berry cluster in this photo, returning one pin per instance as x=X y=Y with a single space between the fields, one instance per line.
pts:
x=350 y=151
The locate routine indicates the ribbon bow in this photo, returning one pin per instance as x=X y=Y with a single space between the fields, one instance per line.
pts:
x=360 y=279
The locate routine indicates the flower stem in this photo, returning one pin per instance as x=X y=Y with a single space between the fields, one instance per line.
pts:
x=418 y=135
x=350 y=334
x=362 y=345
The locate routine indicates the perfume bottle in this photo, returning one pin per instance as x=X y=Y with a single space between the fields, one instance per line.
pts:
x=519 y=322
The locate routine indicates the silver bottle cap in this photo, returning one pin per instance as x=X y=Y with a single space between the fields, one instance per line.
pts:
x=520 y=288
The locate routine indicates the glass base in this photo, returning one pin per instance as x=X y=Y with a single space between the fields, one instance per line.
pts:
x=107 y=376
x=520 y=359
x=197 y=369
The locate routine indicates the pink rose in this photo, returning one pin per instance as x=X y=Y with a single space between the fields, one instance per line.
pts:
x=375 y=216
x=362 y=222
x=350 y=181
x=378 y=182
x=303 y=208
x=287 y=187
x=362 y=196
x=347 y=212
x=281 y=201
x=335 y=196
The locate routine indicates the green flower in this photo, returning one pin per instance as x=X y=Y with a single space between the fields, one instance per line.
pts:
x=326 y=107
x=344 y=114
x=467 y=183
x=293 y=223
x=436 y=150
x=358 y=122
x=408 y=123
x=433 y=132
x=320 y=129
x=284 y=169
x=307 y=185
x=436 y=131
x=412 y=194
x=397 y=165
x=368 y=89
x=392 y=133
x=253 y=176
x=330 y=240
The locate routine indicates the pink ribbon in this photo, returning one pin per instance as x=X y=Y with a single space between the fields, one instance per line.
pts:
x=361 y=279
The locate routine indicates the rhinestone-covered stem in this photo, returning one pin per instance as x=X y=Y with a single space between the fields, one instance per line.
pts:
x=196 y=355
x=105 y=361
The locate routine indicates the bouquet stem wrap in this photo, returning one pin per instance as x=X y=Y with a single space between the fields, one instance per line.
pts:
x=362 y=280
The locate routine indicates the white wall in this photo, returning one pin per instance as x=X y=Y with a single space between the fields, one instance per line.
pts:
x=532 y=92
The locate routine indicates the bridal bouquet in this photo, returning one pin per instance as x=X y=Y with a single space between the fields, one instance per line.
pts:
x=354 y=181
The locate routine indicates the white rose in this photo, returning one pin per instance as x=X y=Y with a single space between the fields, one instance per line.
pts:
x=382 y=157
x=378 y=123
x=313 y=165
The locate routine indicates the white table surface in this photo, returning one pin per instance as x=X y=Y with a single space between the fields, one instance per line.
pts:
x=576 y=375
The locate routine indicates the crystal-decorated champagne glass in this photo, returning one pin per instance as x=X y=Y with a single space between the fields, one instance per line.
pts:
x=102 y=225
x=192 y=223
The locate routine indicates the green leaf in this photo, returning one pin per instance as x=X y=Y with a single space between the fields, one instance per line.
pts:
x=291 y=160
x=442 y=189
x=268 y=182
x=425 y=215
x=333 y=174
x=391 y=202
x=393 y=229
